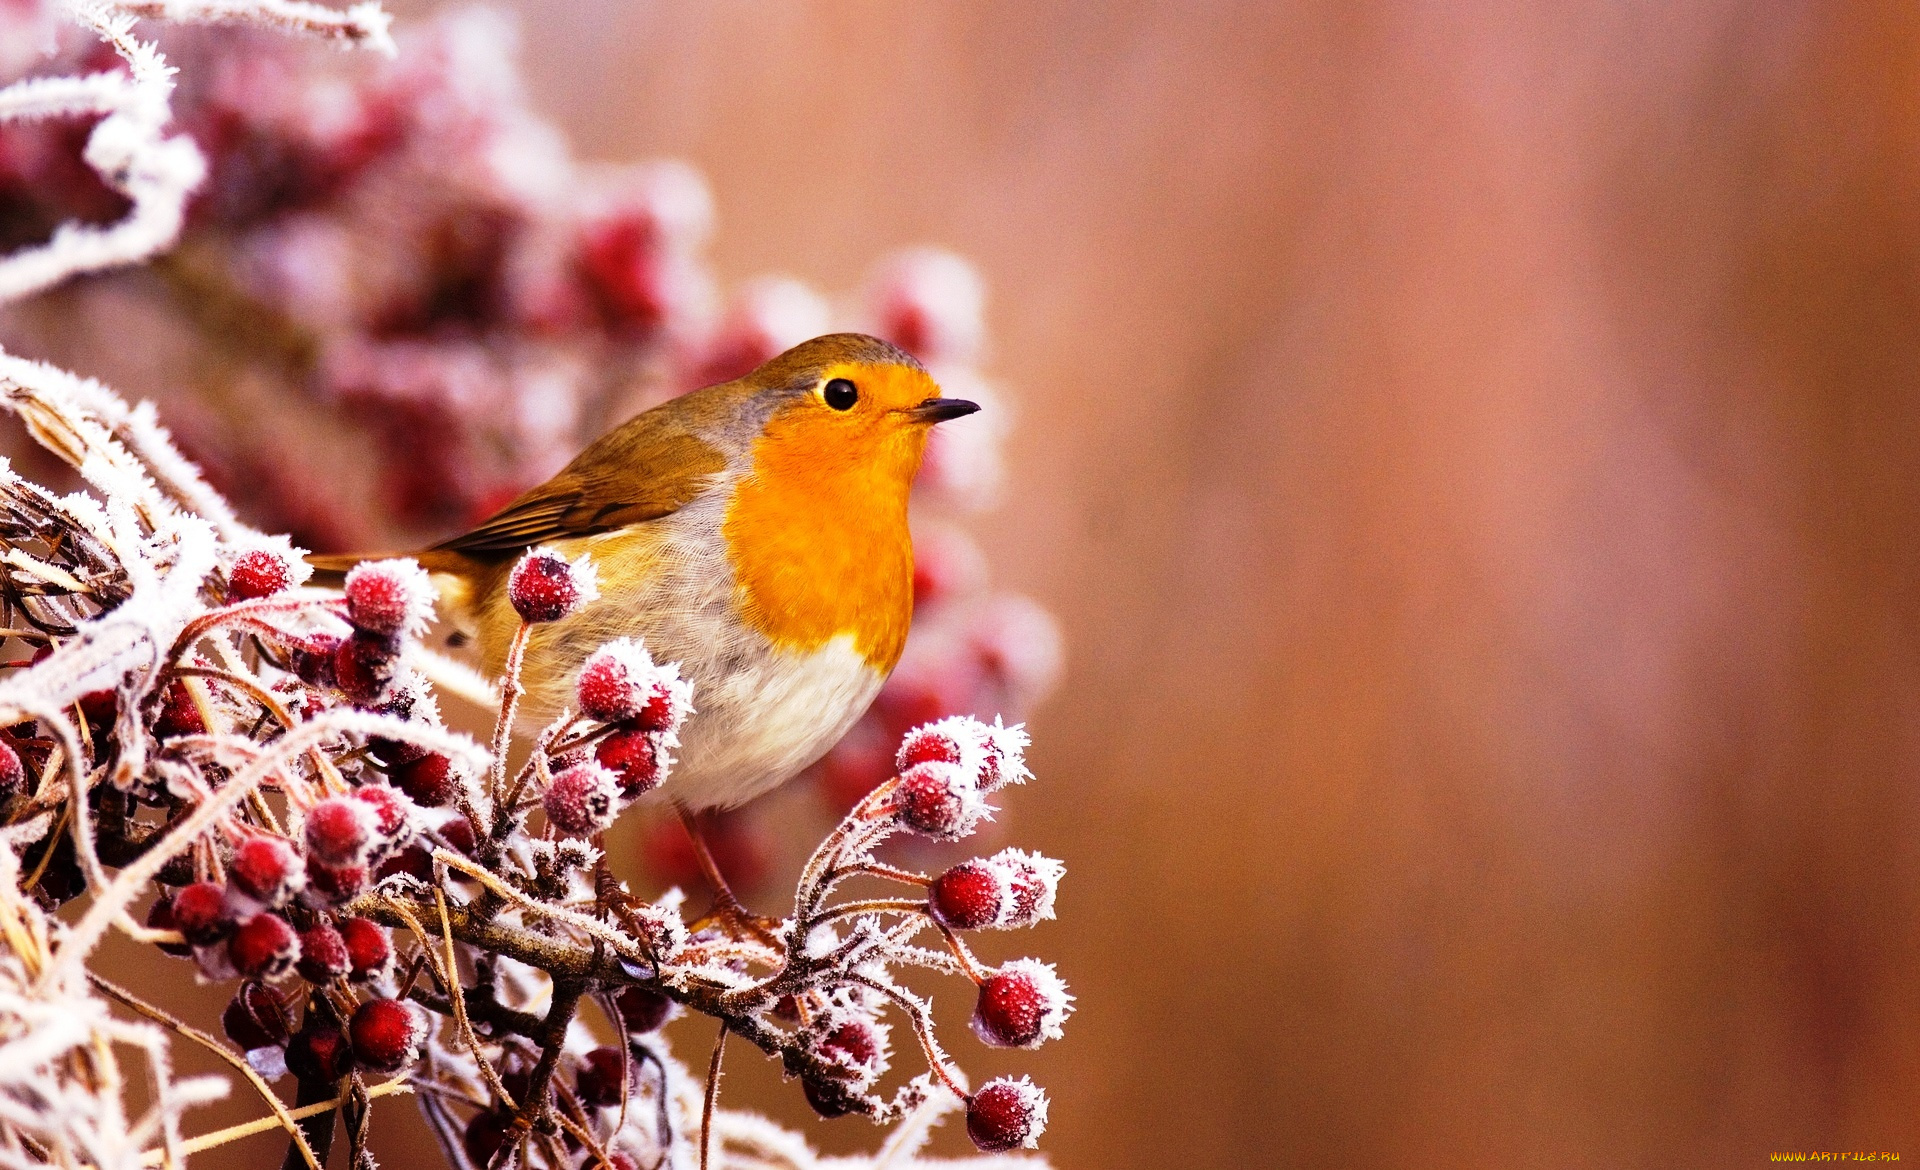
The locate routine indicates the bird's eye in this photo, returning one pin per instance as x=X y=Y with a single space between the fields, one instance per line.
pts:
x=840 y=394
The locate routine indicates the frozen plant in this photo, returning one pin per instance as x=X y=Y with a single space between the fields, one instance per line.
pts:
x=263 y=768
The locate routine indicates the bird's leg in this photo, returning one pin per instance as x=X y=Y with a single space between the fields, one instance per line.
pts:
x=726 y=911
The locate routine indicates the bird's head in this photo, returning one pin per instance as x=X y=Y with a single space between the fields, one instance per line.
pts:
x=848 y=404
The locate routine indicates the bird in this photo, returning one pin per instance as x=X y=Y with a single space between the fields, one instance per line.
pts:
x=755 y=532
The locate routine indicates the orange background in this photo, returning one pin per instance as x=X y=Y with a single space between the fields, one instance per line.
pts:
x=1474 y=450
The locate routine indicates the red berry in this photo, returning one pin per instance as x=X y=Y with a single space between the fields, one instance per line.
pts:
x=458 y=835
x=178 y=713
x=1006 y=1114
x=200 y=913
x=393 y=817
x=854 y=1047
x=635 y=757
x=829 y=1097
x=312 y=660
x=340 y=830
x=428 y=781
x=369 y=946
x=319 y=1052
x=581 y=800
x=971 y=896
x=1005 y=761
x=330 y=885
x=363 y=667
x=545 y=587
x=255 y=1018
x=1035 y=880
x=643 y=1010
x=386 y=1034
x=13 y=773
x=258 y=572
x=323 y=955
x=389 y=598
x=414 y=861
x=598 y=1081
x=267 y=869
x=263 y=947
x=1020 y=1005
x=610 y=681
x=485 y=1135
x=160 y=917
x=938 y=799
x=930 y=742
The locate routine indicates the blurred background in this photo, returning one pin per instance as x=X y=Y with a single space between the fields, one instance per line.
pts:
x=1473 y=451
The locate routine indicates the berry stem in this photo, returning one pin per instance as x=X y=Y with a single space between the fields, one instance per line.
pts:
x=875 y=869
x=874 y=906
x=712 y=1097
x=510 y=692
x=968 y=964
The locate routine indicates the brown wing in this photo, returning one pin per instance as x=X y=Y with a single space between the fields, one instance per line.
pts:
x=641 y=471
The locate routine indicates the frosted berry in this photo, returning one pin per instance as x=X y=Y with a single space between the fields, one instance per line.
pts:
x=393 y=816
x=160 y=917
x=635 y=758
x=263 y=947
x=363 y=667
x=1035 y=880
x=853 y=1046
x=200 y=913
x=973 y=895
x=369 y=947
x=829 y=1097
x=545 y=587
x=386 y=1034
x=323 y=955
x=389 y=598
x=1020 y=1005
x=341 y=829
x=414 y=861
x=932 y=742
x=312 y=659
x=255 y=1018
x=643 y=1010
x=428 y=781
x=598 y=1081
x=1006 y=1114
x=178 y=714
x=256 y=573
x=612 y=681
x=582 y=800
x=938 y=799
x=267 y=869
x=1005 y=761
x=485 y=1134
x=13 y=773
x=330 y=885
x=319 y=1052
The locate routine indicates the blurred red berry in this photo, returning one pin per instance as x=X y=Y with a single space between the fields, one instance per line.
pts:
x=263 y=947
x=1021 y=1005
x=257 y=573
x=254 y=1018
x=312 y=660
x=485 y=1135
x=363 y=667
x=582 y=800
x=319 y=1052
x=179 y=714
x=971 y=896
x=643 y=1010
x=323 y=955
x=160 y=917
x=1006 y=1114
x=598 y=1080
x=428 y=781
x=386 y=1034
x=267 y=869
x=635 y=758
x=545 y=587
x=200 y=913
x=369 y=947
x=330 y=885
x=13 y=772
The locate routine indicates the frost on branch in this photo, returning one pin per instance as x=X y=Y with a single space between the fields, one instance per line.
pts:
x=172 y=743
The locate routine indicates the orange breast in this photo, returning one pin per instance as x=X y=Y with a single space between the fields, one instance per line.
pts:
x=817 y=535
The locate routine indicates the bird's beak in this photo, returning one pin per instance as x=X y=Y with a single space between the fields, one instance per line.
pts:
x=935 y=410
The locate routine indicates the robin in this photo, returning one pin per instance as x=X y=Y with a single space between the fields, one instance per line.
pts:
x=754 y=531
